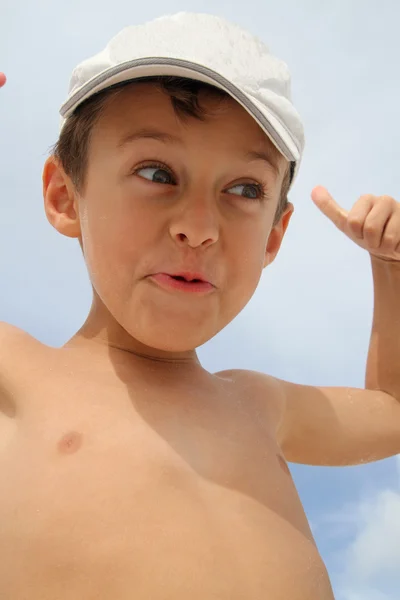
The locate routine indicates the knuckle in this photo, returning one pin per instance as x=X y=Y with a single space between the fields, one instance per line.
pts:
x=354 y=221
x=390 y=240
x=370 y=229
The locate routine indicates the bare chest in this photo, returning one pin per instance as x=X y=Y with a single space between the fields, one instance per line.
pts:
x=105 y=493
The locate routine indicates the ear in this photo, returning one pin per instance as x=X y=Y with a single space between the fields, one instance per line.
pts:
x=276 y=236
x=60 y=199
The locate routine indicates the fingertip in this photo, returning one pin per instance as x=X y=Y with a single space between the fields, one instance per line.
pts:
x=317 y=191
x=3 y=79
x=320 y=188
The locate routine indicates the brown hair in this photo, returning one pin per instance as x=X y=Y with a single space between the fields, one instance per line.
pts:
x=72 y=147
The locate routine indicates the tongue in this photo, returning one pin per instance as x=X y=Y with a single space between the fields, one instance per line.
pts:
x=179 y=278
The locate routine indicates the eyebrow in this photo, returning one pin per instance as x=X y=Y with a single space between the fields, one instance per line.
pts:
x=161 y=136
x=148 y=133
x=267 y=157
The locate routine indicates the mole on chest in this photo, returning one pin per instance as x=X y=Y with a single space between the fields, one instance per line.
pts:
x=70 y=442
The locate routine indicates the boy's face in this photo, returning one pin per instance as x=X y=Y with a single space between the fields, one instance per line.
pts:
x=188 y=199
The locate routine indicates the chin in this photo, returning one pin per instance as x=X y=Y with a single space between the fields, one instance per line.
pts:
x=172 y=340
x=171 y=334
x=169 y=325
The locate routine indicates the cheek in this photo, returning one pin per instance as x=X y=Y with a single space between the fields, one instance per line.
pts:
x=248 y=254
x=114 y=231
x=245 y=269
x=115 y=247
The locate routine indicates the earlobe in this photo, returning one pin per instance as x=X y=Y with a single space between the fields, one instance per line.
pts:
x=60 y=202
x=273 y=245
x=276 y=236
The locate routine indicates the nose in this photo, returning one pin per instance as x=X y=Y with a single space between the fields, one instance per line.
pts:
x=195 y=223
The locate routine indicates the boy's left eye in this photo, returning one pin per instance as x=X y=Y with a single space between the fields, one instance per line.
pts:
x=255 y=190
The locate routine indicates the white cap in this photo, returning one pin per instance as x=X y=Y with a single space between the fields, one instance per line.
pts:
x=205 y=48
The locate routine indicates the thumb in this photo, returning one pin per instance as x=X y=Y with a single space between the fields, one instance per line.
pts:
x=331 y=209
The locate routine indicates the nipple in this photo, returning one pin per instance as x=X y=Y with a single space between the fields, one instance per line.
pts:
x=70 y=442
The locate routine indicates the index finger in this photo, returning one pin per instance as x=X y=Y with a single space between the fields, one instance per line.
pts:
x=3 y=79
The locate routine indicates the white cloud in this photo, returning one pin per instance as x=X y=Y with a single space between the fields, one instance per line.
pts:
x=370 y=561
x=376 y=548
x=365 y=595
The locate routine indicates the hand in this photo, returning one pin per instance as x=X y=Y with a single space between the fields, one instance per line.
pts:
x=2 y=79
x=373 y=223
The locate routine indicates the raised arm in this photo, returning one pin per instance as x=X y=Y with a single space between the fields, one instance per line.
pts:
x=340 y=425
x=323 y=426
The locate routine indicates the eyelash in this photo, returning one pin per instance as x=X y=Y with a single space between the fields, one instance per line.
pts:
x=263 y=195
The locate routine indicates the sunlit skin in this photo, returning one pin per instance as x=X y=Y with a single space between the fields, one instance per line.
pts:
x=200 y=208
x=128 y=469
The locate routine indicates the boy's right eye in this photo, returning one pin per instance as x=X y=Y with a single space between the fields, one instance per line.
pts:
x=156 y=174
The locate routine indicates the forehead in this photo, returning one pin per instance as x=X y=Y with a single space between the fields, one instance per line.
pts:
x=145 y=107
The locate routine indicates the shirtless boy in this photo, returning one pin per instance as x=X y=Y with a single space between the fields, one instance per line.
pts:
x=127 y=470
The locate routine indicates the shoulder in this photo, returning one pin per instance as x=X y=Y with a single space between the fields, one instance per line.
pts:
x=13 y=338
x=265 y=393
x=248 y=377
x=18 y=354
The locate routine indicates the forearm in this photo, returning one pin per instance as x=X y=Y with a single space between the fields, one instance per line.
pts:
x=383 y=363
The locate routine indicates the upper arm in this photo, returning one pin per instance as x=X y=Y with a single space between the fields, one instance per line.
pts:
x=337 y=426
x=263 y=395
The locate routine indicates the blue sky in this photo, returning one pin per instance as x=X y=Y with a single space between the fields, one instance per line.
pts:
x=310 y=318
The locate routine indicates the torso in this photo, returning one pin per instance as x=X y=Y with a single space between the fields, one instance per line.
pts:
x=145 y=487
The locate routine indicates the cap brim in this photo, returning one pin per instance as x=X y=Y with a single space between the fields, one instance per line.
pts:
x=150 y=67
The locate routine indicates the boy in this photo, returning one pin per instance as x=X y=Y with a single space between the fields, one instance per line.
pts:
x=128 y=470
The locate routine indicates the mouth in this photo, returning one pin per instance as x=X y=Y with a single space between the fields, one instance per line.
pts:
x=187 y=276
x=185 y=282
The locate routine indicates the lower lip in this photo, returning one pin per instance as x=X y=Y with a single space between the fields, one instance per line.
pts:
x=169 y=283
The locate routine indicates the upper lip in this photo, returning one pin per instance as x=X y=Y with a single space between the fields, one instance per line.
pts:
x=189 y=275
